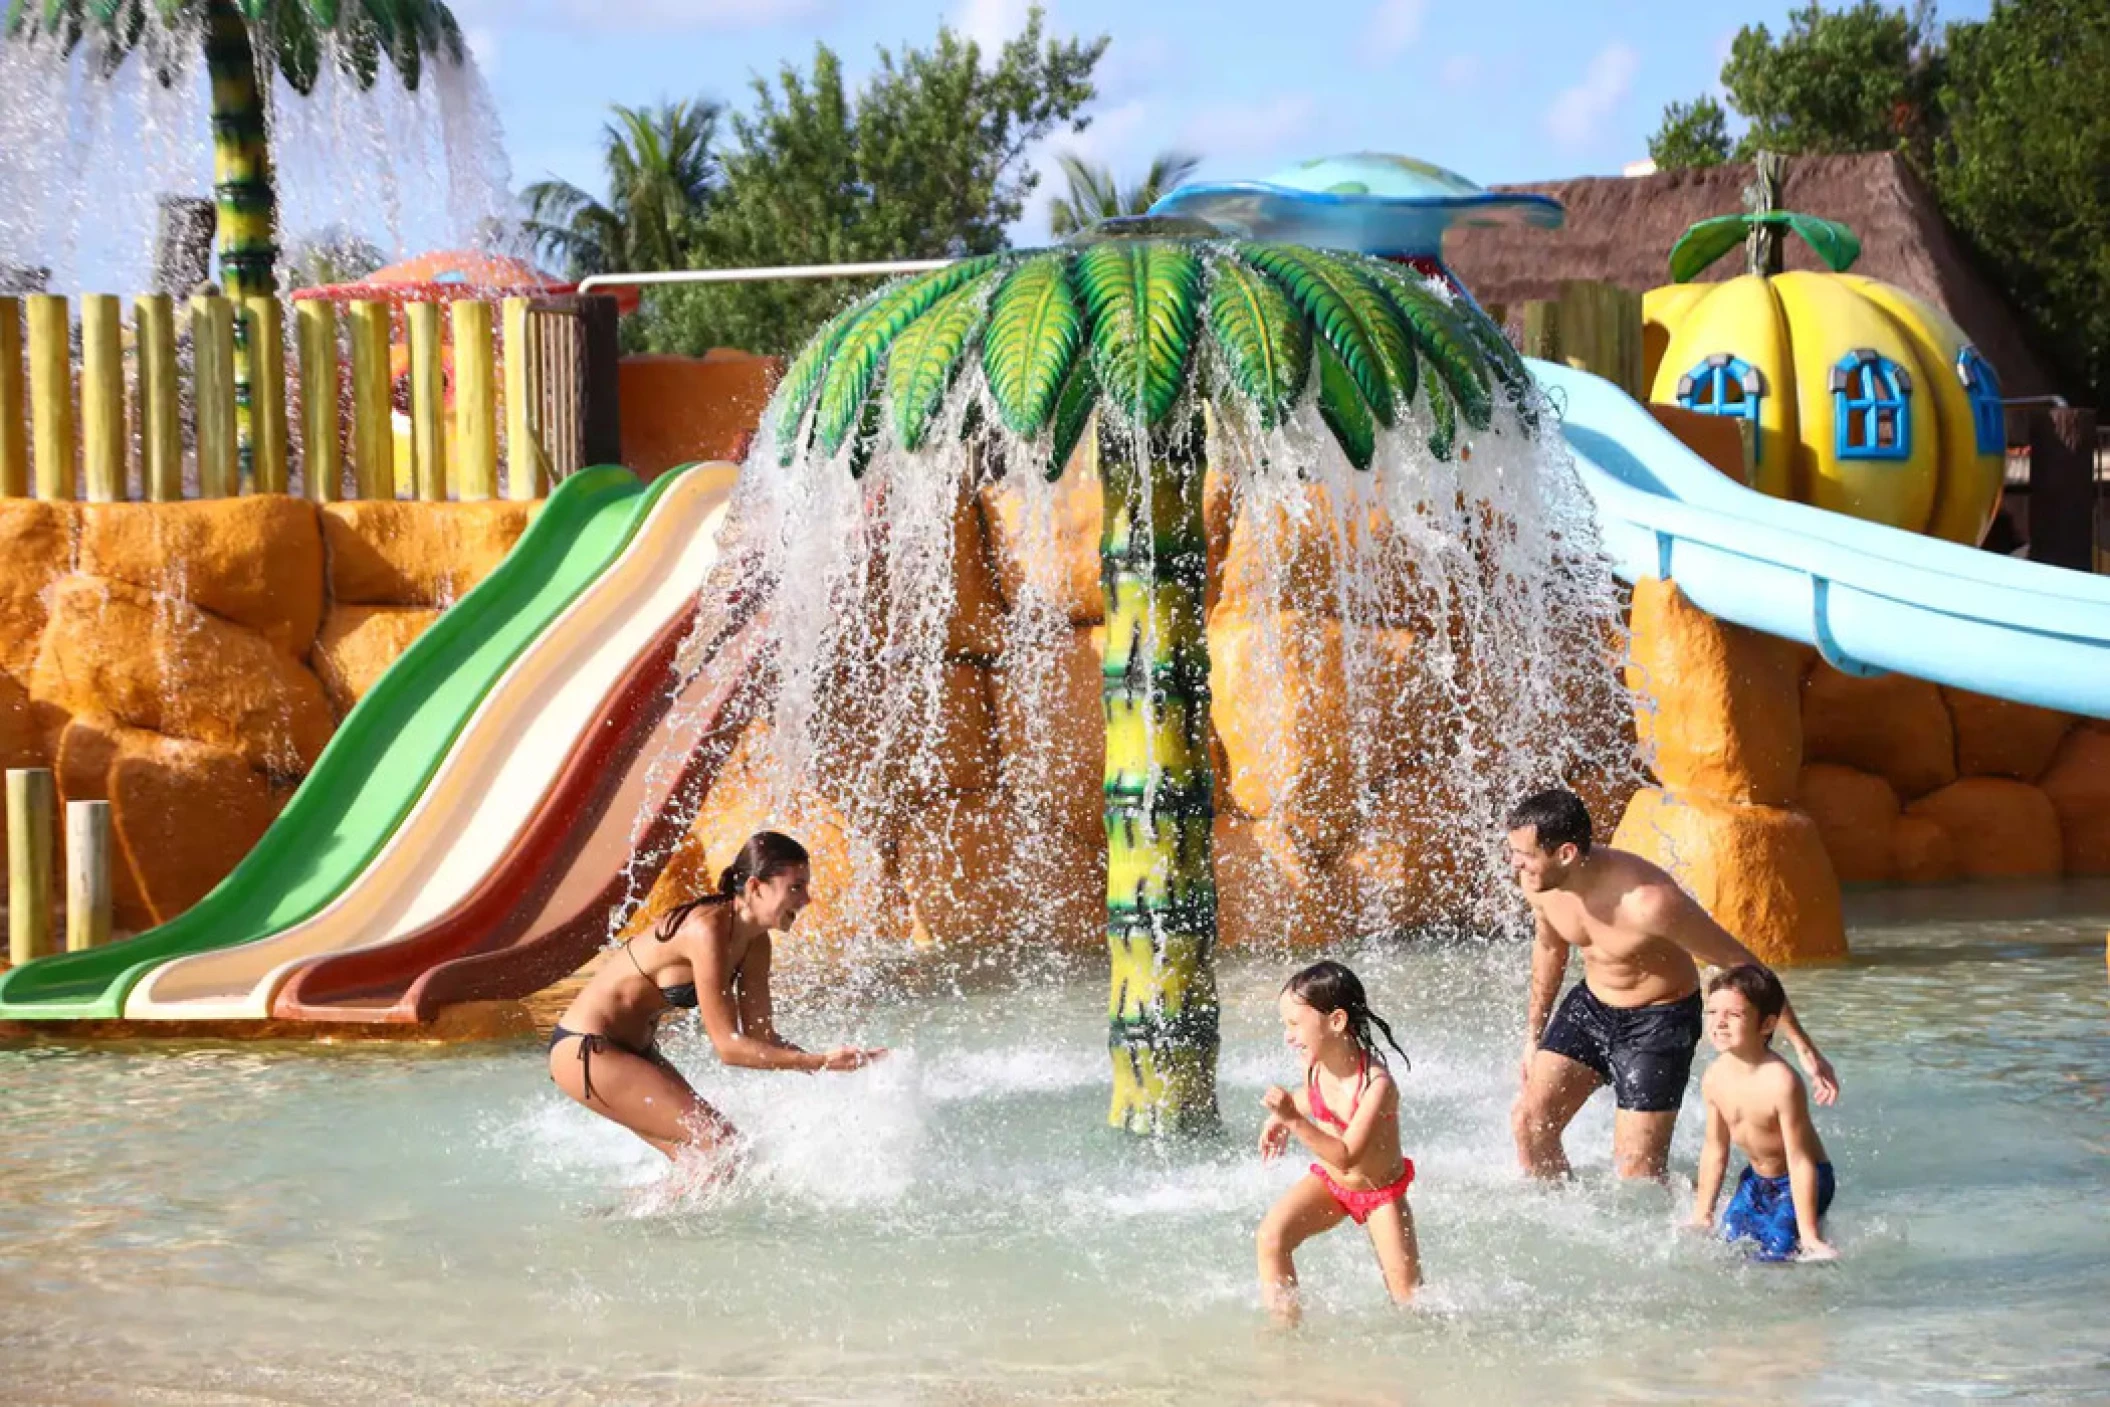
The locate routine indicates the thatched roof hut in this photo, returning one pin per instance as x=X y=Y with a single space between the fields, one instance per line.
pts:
x=1620 y=230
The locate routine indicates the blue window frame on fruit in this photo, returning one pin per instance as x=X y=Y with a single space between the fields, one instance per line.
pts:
x=1871 y=407
x=1724 y=385
x=1983 y=387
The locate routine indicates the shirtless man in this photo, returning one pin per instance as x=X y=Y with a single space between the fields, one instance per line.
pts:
x=1634 y=1020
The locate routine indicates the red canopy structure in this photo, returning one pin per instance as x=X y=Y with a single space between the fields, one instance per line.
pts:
x=449 y=275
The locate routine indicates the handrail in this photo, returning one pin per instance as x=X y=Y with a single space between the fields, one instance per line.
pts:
x=763 y=275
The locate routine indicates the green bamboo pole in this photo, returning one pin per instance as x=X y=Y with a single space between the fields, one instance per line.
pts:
x=160 y=399
x=527 y=472
x=104 y=444
x=428 y=431
x=266 y=324
x=373 y=435
x=51 y=394
x=1160 y=873
x=475 y=401
x=14 y=430
x=320 y=462
x=212 y=396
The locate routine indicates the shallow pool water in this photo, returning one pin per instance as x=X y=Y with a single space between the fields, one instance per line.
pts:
x=190 y=1224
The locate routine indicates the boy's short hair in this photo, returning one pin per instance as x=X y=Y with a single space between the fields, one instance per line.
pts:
x=1557 y=817
x=1756 y=984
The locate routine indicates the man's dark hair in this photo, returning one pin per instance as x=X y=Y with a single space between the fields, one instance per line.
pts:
x=1558 y=816
x=1758 y=986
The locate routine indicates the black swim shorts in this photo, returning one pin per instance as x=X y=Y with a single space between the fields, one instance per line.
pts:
x=1644 y=1053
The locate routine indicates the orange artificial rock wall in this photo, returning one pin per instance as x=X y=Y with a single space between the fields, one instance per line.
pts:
x=678 y=410
x=1898 y=780
x=1718 y=712
x=187 y=662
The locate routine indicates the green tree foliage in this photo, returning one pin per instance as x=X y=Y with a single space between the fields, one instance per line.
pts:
x=1865 y=78
x=1692 y=134
x=925 y=160
x=662 y=176
x=1094 y=196
x=2024 y=168
x=332 y=254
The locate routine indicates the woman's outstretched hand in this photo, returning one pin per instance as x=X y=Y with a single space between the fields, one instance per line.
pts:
x=850 y=1057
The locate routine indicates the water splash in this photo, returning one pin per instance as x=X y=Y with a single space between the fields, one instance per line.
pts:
x=83 y=157
x=1409 y=650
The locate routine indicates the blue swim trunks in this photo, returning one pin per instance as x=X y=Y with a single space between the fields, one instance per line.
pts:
x=1763 y=1211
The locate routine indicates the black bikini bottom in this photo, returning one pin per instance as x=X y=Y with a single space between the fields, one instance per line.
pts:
x=592 y=1041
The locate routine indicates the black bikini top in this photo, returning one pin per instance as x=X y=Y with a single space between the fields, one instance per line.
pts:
x=681 y=994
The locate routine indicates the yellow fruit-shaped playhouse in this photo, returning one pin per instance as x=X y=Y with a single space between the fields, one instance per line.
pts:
x=1863 y=399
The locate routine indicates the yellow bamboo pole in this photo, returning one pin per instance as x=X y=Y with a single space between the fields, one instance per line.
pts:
x=212 y=394
x=320 y=462
x=475 y=401
x=103 y=441
x=373 y=437
x=87 y=875
x=14 y=431
x=160 y=400
x=428 y=430
x=51 y=394
x=267 y=393
x=527 y=471
x=29 y=810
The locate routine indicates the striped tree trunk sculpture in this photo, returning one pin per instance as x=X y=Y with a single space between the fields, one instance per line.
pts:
x=242 y=193
x=1160 y=875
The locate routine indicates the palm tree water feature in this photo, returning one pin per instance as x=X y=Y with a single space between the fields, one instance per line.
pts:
x=1314 y=397
x=292 y=95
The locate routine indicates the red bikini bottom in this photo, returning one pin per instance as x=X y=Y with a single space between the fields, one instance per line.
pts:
x=1359 y=1202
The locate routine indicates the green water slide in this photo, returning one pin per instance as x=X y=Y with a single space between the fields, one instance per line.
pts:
x=377 y=765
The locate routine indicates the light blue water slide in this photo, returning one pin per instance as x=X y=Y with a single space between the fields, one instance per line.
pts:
x=1872 y=599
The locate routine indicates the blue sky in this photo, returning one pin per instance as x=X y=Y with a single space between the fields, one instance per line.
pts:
x=1500 y=90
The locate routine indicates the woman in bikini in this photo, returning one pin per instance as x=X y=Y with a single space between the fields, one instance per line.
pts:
x=711 y=955
x=1361 y=1174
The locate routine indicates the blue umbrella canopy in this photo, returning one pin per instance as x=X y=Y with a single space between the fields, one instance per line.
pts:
x=1392 y=206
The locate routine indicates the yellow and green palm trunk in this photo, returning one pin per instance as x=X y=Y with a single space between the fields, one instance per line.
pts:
x=1160 y=875
x=241 y=159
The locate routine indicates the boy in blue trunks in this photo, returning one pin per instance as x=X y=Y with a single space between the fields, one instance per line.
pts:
x=1633 y=1021
x=1755 y=1101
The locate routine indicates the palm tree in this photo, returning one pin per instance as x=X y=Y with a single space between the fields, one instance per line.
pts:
x=662 y=174
x=1094 y=196
x=288 y=35
x=1113 y=324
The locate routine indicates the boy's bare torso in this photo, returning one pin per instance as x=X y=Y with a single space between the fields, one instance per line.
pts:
x=1753 y=1099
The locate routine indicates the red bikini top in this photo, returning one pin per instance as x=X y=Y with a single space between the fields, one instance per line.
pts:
x=1318 y=1101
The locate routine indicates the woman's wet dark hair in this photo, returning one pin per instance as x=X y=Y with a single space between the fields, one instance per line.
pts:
x=766 y=855
x=1327 y=987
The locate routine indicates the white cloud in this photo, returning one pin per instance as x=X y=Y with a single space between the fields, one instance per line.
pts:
x=1573 y=118
x=991 y=23
x=1230 y=131
x=1394 y=25
x=1459 y=71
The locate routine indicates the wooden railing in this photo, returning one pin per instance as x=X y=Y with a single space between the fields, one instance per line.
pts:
x=532 y=385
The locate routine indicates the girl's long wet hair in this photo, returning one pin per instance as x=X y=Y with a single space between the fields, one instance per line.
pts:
x=766 y=855
x=1327 y=987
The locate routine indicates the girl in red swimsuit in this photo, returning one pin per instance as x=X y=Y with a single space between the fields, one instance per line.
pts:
x=1361 y=1174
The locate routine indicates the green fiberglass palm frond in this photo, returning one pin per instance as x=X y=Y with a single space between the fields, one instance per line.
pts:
x=1129 y=325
